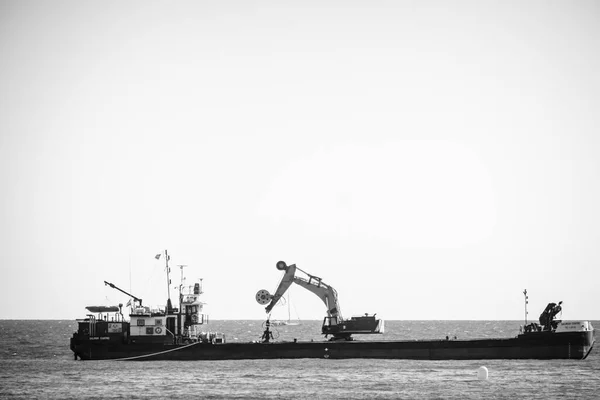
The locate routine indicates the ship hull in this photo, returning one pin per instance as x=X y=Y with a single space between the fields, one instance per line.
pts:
x=538 y=345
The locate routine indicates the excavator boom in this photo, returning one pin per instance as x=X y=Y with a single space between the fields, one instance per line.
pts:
x=325 y=292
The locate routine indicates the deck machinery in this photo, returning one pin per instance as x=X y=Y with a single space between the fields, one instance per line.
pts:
x=333 y=324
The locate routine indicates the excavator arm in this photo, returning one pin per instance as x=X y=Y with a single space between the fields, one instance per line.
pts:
x=284 y=284
x=314 y=284
x=333 y=324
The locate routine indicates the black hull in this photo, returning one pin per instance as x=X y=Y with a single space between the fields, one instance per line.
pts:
x=538 y=345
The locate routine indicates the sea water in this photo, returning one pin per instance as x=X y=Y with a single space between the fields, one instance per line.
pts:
x=36 y=362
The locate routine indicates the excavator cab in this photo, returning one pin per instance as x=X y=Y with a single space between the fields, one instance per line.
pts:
x=366 y=324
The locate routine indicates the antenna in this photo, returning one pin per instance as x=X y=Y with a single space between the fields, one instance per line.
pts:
x=526 y=302
x=181 y=267
x=130 y=271
x=167 y=258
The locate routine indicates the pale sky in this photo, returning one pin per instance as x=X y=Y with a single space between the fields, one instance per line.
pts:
x=428 y=159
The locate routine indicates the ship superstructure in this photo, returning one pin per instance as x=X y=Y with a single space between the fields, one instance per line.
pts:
x=106 y=327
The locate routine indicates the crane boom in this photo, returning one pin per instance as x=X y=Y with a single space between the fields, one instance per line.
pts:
x=122 y=291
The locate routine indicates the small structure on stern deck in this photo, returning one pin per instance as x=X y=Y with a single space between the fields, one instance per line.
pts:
x=267 y=334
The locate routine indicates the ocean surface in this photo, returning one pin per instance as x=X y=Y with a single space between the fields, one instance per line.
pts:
x=36 y=362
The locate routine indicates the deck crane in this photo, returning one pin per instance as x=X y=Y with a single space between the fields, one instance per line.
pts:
x=548 y=316
x=333 y=324
x=122 y=291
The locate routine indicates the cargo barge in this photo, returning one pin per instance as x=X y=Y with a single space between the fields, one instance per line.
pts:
x=178 y=333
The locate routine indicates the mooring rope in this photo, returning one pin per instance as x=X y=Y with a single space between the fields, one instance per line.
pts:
x=154 y=354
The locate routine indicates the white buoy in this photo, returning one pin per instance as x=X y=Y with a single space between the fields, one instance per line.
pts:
x=482 y=373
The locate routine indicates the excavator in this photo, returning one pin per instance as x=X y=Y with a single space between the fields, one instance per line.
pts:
x=333 y=324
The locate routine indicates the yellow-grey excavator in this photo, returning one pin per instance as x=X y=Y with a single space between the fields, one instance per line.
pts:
x=333 y=324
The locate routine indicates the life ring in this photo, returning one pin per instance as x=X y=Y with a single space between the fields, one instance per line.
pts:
x=194 y=318
x=158 y=330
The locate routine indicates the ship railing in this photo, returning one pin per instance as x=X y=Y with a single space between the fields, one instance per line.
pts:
x=108 y=317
